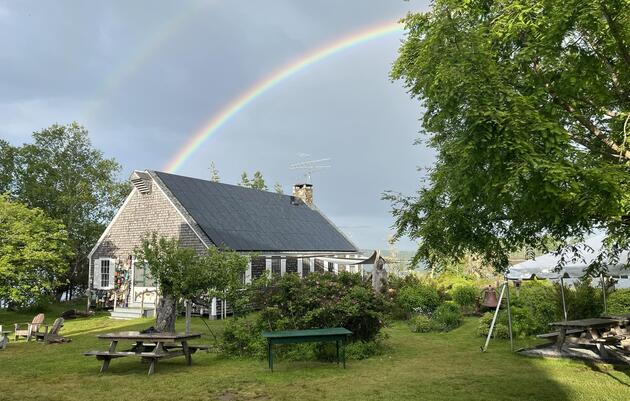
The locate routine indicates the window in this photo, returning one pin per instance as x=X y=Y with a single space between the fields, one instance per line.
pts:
x=306 y=266
x=275 y=265
x=105 y=273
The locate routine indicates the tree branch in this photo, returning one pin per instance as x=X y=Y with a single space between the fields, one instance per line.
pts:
x=623 y=50
x=588 y=124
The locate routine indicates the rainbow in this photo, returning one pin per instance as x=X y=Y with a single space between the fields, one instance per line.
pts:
x=252 y=93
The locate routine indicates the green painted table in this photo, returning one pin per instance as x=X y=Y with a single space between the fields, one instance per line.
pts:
x=335 y=334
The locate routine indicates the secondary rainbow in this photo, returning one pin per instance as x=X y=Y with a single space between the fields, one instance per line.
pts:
x=237 y=104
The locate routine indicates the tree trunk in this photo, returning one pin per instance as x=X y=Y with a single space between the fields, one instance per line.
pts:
x=166 y=314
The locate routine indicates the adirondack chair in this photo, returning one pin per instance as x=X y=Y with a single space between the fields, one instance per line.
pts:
x=52 y=335
x=4 y=340
x=29 y=329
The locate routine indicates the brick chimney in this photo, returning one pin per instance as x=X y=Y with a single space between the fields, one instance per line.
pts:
x=304 y=192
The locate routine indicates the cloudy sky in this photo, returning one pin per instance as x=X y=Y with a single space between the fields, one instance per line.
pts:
x=144 y=76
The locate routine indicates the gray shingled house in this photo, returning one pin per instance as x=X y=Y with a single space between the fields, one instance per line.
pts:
x=286 y=231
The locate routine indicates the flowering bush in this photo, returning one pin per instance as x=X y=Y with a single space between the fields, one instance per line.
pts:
x=319 y=300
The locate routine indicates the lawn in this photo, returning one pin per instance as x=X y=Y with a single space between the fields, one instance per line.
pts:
x=444 y=366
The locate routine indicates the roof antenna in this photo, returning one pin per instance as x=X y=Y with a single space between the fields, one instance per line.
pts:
x=309 y=166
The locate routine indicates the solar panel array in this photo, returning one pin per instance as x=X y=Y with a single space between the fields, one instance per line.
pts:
x=245 y=219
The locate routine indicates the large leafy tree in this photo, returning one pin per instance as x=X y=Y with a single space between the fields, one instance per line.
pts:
x=526 y=103
x=61 y=173
x=33 y=254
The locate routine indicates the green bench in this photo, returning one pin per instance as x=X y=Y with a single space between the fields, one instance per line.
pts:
x=336 y=334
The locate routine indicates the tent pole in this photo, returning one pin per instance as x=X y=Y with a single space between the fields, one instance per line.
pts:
x=494 y=320
x=604 y=293
x=509 y=311
x=564 y=305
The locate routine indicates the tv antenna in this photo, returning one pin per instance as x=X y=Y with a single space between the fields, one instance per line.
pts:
x=310 y=167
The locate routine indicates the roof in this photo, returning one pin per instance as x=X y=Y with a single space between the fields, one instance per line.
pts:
x=245 y=219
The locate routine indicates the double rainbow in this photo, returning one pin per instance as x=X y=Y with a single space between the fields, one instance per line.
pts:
x=240 y=102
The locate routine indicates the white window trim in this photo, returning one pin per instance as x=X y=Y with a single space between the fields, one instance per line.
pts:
x=283 y=266
x=97 y=273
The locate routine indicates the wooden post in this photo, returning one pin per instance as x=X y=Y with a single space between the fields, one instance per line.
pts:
x=188 y=315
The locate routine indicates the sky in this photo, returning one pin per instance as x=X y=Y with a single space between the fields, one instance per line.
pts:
x=145 y=76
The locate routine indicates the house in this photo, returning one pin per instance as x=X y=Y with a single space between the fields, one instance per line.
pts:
x=286 y=232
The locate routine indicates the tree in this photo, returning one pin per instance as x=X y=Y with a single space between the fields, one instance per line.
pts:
x=526 y=104
x=33 y=254
x=214 y=173
x=7 y=166
x=257 y=182
x=278 y=188
x=245 y=180
x=65 y=176
x=181 y=273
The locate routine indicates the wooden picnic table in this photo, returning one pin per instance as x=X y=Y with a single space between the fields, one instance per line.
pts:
x=150 y=347
x=596 y=331
x=335 y=334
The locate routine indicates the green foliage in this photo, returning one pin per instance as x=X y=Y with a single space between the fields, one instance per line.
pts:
x=421 y=324
x=317 y=301
x=585 y=301
x=619 y=301
x=525 y=104
x=241 y=337
x=540 y=298
x=447 y=316
x=33 y=254
x=465 y=295
x=61 y=173
x=418 y=297
x=257 y=182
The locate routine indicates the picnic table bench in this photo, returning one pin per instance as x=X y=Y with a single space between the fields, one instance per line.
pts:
x=335 y=334
x=150 y=347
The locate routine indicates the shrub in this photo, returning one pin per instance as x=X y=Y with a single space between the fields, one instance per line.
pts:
x=465 y=296
x=421 y=297
x=619 y=301
x=587 y=301
x=241 y=337
x=316 y=301
x=447 y=316
x=421 y=324
x=501 y=331
x=541 y=299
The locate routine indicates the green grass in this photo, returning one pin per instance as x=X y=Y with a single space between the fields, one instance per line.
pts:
x=431 y=366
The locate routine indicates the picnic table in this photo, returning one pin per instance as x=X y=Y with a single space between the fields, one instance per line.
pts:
x=150 y=347
x=335 y=334
x=595 y=331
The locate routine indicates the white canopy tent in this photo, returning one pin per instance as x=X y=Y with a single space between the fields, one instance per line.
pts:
x=574 y=266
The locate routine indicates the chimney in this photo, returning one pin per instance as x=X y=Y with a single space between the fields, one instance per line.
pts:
x=304 y=192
